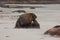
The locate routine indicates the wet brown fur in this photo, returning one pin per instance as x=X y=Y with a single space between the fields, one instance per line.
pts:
x=54 y=31
x=27 y=20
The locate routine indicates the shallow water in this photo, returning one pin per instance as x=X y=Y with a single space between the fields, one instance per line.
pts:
x=48 y=17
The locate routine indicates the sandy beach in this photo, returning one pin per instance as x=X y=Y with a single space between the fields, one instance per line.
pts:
x=48 y=16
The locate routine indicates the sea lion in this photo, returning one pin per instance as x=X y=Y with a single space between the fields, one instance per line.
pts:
x=27 y=20
x=54 y=31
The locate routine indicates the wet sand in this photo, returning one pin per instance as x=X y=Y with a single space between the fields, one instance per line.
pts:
x=48 y=17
